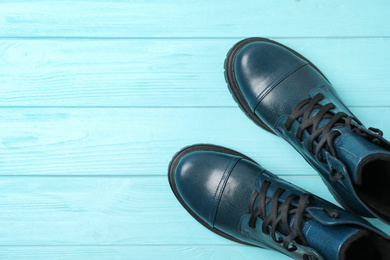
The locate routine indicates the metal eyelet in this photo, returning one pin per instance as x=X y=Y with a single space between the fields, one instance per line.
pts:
x=322 y=160
x=279 y=240
x=292 y=248
x=332 y=213
x=335 y=175
x=376 y=141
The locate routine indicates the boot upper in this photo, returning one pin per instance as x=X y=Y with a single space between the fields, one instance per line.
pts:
x=274 y=82
x=219 y=188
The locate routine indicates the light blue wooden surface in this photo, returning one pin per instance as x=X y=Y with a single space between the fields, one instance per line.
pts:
x=96 y=97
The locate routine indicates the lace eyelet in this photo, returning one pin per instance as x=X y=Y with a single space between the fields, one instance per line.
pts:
x=334 y=214
x=279 y=207
x=267 y=232
x=292 y=248
x=335 y=175
x=279 y=240
x=252 y=226
x=309 y=257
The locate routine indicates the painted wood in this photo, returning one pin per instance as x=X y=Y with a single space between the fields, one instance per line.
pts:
x=137 y=18
x=205 y=252
x=170 y=72
x=96 y=97
x=106 y=211
x=138 y=141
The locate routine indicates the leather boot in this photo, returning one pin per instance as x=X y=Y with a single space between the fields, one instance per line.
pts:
x=236 y=198
x=284 y=93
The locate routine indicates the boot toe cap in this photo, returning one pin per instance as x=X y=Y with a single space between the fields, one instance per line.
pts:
x=260 y=66
x=200 y=178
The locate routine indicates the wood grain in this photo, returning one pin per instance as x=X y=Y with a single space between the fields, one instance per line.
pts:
x=145 y=252
x=96 y=96
x=167 y=72
x=106 y=211
x=138 y=141
x=137 y=18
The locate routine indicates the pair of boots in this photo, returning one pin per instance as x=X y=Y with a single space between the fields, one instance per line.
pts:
x=233 y=196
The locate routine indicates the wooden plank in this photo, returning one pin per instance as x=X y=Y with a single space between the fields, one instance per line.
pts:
x=138 y=18
x=105 y=211
x=138 y=141
x=144 y=73
x=206 y=252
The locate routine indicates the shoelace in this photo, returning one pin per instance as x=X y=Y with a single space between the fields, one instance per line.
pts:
x=279 y=216
x=304 y=109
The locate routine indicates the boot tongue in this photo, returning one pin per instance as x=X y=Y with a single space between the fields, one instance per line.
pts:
x=329 y=240
x=356 y=151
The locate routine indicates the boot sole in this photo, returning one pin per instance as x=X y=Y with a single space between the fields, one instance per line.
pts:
x=171 y=176
x=232 y=83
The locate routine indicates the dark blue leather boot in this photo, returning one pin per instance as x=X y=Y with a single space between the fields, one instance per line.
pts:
x=236 y=198
x=286 y=94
